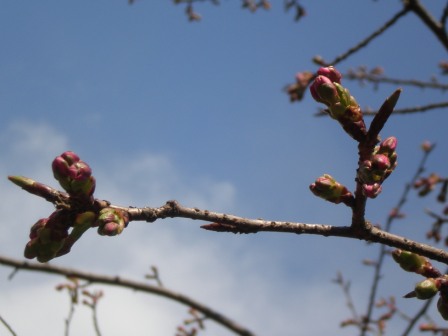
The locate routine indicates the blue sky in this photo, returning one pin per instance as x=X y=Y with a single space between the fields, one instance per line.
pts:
x=162 y=109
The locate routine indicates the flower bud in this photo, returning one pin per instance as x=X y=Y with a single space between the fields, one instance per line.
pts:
x=371 y=190
x=73 y=174
x=427 y=146
x=31 y=249
x=426 y=289
x=34 y=231
x=111 y=221
x=331 y=73
x=388 y=145
x=380 y=162
x=329 y=189
x=324 y=91
x=409 y=261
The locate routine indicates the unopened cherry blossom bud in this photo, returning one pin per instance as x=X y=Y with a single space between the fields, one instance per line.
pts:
x=426 y=289
x=31 y=249
x=329 y=189
x=427 y=146
x=380 y=162
x=324 y=91
x=409 y=261
x=61 y=164
x=111 y=222
x=388 y=145
x=331 y=73
x=74 y=175
x=371 y=190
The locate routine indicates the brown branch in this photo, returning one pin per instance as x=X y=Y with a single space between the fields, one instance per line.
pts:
x=436 y=27
x=235 y=224
x=131 y=284
x=230 y=223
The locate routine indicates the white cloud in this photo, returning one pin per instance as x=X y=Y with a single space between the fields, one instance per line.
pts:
x=219 y=270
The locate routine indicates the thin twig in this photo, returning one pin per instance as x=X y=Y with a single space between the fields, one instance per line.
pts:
x=131 y=284
x=7 y=326
x=395 y=81
x=436 y=27
x=69 y=318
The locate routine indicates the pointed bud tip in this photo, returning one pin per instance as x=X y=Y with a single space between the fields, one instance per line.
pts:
x=21 y=181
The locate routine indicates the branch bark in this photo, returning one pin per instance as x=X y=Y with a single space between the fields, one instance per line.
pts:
x=230 y=223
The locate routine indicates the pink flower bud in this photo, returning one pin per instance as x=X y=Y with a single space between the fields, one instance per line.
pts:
x=388 y=145
x=381 y=162
x=73 y=174
x=331 y=73
x=324 y=91
x=371 y=190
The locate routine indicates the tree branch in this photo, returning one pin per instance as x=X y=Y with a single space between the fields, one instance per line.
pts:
x=229 y=223
x=131 y=284
x=436 y=27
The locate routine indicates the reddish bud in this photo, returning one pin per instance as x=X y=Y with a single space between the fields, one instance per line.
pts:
x=380 y=162
x=324 y=91
x=388 y=145
x=73 y=174
x=111 y=222
x=331 y=73
x=371 y=190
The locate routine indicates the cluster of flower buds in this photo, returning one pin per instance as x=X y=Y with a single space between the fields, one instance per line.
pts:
x=74 y=175
x=434 y=283
x=76 y=210
x=329 y=189
x=374 y=171
x=327 y=89
x=111 y=221
x=50 y=237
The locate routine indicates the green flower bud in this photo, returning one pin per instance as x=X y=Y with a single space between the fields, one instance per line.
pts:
x=426 y=289
x=409 y=261
x=329 y=189
x=111 y=222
